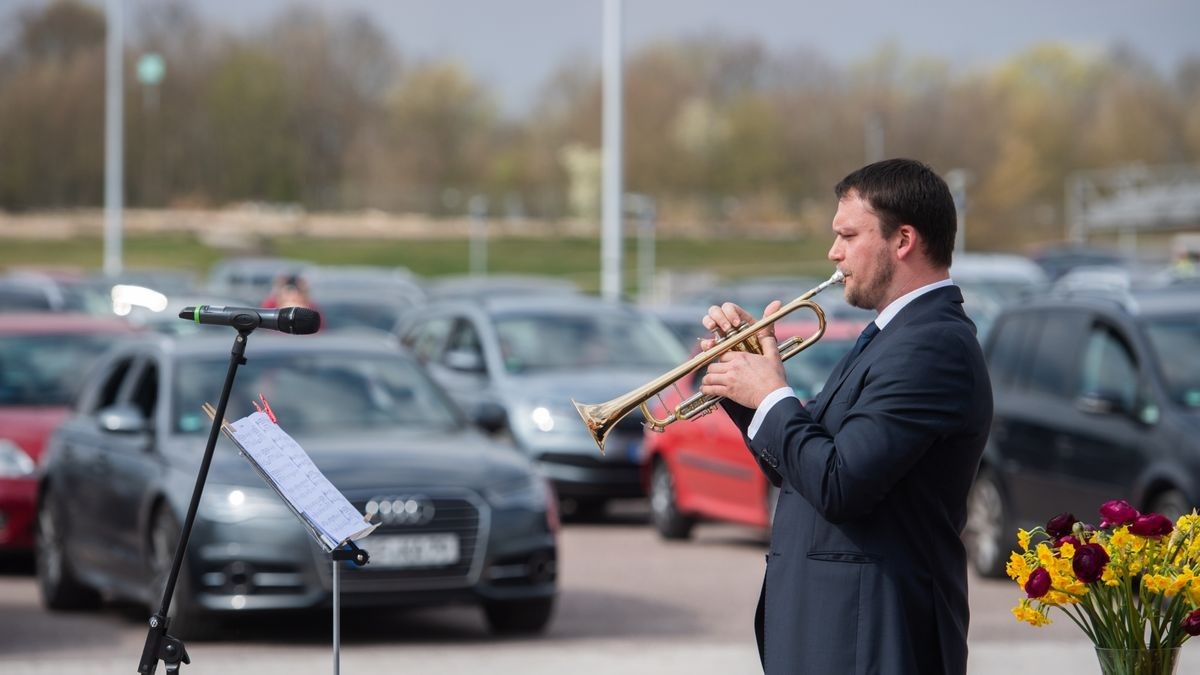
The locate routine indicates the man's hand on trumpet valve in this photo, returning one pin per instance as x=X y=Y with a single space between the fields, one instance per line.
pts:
x=740 y=376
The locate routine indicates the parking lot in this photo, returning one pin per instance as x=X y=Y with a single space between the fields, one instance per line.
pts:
x=629 y=603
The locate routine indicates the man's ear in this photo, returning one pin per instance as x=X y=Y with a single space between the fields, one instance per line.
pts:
x=907 y=241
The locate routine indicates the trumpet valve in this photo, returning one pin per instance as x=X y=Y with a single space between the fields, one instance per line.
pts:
x=747 y=344
x=750 y=344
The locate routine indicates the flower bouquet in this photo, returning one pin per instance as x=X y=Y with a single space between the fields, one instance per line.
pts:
x=1132 y=584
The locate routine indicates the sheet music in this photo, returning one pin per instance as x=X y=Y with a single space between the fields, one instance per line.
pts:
x=294 y=476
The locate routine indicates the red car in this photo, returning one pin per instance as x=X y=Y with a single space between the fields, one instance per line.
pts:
x=43 y=358
x=701 y=470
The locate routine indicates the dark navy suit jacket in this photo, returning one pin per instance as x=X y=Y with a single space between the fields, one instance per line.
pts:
x=867 y=571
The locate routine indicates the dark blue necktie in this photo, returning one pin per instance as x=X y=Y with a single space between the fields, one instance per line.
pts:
x=863 y=339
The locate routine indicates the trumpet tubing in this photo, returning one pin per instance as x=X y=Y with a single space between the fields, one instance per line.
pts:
x=601 y=418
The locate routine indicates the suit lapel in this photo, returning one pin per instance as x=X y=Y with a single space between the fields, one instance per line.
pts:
x=833 y=385
x=916 y=310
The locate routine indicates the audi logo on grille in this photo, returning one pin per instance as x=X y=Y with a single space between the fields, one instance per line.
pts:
x=410 y=510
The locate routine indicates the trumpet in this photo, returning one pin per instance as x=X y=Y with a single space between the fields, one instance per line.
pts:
x=601 y=418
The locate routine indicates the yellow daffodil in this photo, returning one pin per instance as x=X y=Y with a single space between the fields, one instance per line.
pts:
x=1126 y=590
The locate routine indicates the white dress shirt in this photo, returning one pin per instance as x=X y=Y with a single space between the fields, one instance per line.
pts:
x=882 y=320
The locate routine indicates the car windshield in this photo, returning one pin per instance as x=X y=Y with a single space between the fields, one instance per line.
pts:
x=47 y=369
x=318 y=393
x=542 y=342
x=808 y=370
x=1177 y=341
x=365 y=314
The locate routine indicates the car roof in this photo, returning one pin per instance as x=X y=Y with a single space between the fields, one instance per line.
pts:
x=43 y=322
x=558 y=304
x=1165 y=302
x=486 y=286
x=995 y=267
x=269 y=342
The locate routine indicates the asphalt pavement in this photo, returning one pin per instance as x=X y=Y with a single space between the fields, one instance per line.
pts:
x=630 y=603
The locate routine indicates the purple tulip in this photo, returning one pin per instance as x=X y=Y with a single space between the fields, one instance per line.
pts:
x=1191 y=624
x=1060 y=525
x=1038 y=583
x=1116 y=513
x=1069 y=539
x=1089 y=562
x=1151 y=525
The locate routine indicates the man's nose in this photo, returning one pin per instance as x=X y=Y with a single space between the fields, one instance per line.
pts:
x=835 y=253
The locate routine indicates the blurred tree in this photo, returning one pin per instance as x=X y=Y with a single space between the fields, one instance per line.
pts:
x=439 y=126
x=318 y=109
x=1188 y=83
x=338 y=73
x=252 y=153
x=166 y=141
x=1134 y=117
x=52 y=109
x=1045 y=94
x=60 y=32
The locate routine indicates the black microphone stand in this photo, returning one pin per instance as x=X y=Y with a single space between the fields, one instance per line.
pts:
x=160 y=645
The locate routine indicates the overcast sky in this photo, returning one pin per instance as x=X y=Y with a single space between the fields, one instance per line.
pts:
x=512 y=45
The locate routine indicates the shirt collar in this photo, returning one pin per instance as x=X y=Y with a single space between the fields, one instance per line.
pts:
x=901 y=302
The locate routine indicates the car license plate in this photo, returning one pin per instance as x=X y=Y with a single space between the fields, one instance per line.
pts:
x=412 y=550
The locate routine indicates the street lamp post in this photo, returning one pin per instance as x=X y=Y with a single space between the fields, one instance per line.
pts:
x=643 y=208
x=610 y=236
x=150 y=71
x=114 y=159
x=477 y=205
x=958 y=180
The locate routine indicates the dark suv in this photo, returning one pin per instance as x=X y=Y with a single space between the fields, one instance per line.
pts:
x=1096 y=398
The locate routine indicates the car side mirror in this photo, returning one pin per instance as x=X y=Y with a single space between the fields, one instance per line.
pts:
x=123 y=418
x=465 y=361
x=1103 y=402
x=490 y=416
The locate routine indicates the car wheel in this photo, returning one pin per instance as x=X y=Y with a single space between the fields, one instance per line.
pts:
x=514 y=617
x=1171 y=503
x=664 y=510
x=987 y=534
x=186 y=621
x=59 y=587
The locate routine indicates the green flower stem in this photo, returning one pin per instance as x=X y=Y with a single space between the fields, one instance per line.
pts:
x=1154 y=620
x=1075 y=614
x=1104 y=629
x=1148 y=604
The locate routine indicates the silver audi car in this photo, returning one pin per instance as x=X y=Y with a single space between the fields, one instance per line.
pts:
x=463 y=519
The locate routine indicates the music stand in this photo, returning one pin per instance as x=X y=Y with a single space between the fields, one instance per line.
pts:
x=171 y=650
x=269 y=449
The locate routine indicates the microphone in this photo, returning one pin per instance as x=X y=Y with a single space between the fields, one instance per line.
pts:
x=295 y=320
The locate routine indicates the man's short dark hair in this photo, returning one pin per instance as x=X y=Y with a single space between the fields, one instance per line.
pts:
x=905 y=191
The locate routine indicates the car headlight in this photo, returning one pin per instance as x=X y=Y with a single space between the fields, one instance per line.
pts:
x=234 y=504
x=549 y=421
x=525 y=492
x=14 y=462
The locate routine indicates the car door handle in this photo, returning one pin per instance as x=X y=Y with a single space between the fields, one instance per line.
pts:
x=1064 y=446
x=101 y=467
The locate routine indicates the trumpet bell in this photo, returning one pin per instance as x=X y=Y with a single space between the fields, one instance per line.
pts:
x=597 y=418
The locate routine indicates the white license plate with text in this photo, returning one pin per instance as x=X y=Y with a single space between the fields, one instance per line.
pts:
x=411 y=550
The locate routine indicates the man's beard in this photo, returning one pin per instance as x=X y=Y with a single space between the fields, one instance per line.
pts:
x=869 y=293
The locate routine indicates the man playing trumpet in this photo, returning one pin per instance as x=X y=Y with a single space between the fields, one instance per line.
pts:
x=867 y=572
